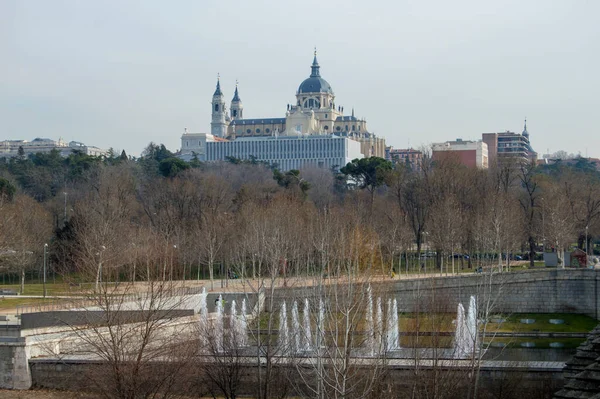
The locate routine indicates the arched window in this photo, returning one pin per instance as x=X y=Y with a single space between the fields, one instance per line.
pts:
x=216 y=107
x=235 y=112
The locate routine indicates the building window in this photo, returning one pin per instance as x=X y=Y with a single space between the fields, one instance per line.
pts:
x=326 y=127
x=257 y=130
x=216 y=107
x=325 y=116
x=267 y=130
x=338 y=128
x=235 y=112
x=248 y=131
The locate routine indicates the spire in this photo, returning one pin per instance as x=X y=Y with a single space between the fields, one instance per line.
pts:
x=315 y=67
x=353 y=112
x=236 y=96
x=218 y=90
x=525 y=132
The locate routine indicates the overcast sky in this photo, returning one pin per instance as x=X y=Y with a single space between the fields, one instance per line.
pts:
x=123 y=73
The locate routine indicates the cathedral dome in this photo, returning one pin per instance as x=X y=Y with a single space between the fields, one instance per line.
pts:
x=315 y=83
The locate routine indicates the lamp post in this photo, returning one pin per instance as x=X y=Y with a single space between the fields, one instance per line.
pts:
x=586 y=243
x=99 y=274
x=45 y=248
x=544 y=228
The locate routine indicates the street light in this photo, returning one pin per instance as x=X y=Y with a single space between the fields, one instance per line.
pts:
x=45 y=248
x=99 y=274
x=586 y=243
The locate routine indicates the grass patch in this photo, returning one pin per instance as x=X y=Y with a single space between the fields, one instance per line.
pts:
x=12 y=302
x=572 y=323
x=38 y=289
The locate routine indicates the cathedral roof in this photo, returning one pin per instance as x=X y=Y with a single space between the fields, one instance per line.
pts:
x=346 y=118
x=236 y=96
x=315 y=83
x=261 y=121
x=218 y=90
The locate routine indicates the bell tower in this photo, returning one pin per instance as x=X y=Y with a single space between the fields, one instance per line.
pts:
x=236 y=109
x=218 y=126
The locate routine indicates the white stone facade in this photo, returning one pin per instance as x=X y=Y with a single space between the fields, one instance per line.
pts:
x=287 y=152
x=10 y=148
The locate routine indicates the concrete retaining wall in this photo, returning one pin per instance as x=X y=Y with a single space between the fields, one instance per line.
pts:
x=530 y=382
x=14 y=370
x=539 y=291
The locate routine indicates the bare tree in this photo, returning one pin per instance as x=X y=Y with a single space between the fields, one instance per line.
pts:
x=27 y=227
x=529 y=201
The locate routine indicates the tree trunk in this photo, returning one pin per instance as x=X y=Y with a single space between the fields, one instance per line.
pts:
x=531 y=242
x=22 y=281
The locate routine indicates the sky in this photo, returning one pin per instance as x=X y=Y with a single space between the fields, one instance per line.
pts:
x=124 y=73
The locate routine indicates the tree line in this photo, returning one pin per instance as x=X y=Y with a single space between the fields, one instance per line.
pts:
x=160 y=217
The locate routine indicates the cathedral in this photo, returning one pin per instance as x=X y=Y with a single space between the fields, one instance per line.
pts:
x=314 y=113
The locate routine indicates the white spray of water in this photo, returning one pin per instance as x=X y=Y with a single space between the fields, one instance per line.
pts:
x=243 y=326
x=307 y=334
x=284 y=341
x=296 y=330
x=393 y=331
x=233 y=328
x=219 y=325
x=370 y=330
x=321 y=331
x=466 y=338
x=473 y=325
x=461 y=340
x=203 y=317
x=379 y=323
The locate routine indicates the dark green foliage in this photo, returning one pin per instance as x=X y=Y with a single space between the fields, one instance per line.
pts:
x=291 y=179
x=195 y=162
x=369 y=173
x=157 y=152
x=152 y=155
x=252 y=161
x=7 y=190
x=78 y=164
x=170 y=167
x=233 y=160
